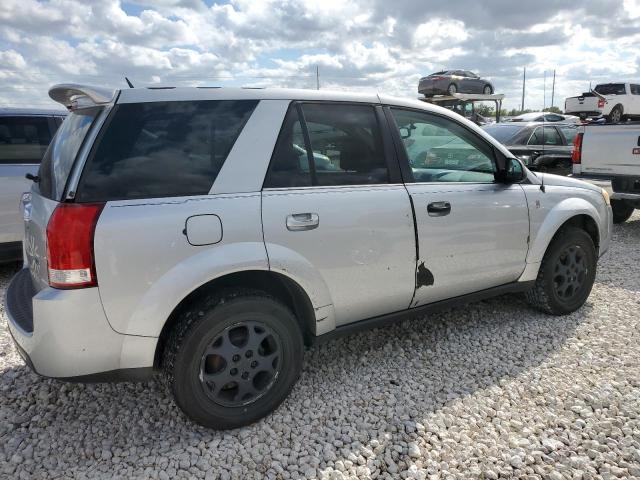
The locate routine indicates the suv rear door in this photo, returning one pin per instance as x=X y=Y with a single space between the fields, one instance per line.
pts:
x=45 y=195
x=472 y=231
x=333 y=201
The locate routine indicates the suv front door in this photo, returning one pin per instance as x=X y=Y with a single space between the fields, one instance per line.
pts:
x=472 y=231
x=333 y=205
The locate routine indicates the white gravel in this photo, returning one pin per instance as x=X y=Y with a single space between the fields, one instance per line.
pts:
x=492 y=390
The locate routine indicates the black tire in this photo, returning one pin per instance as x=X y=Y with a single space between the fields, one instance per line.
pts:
x=616 y=114
x=452 y=88
x=487 y=90
x=621 y=211
x=562 y=286
x=219 y=322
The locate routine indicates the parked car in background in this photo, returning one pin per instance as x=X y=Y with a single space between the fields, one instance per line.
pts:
x=614 y=101
x=611 y=152
x=540 y=145
x=24 y=137
x=189 y=236
x=449 y=82
x=544 y=117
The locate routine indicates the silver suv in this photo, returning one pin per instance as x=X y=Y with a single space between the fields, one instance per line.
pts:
x=210 y=234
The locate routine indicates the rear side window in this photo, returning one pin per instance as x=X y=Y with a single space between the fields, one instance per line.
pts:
x=163 y=149
x=611 y=89
x=23 y=139
x=343 y=146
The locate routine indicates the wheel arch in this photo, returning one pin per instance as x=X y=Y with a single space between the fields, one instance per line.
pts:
x=617 y=105
x=574 y=212
x=275 y=284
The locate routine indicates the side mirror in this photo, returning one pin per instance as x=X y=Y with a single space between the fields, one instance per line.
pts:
x=512 y=173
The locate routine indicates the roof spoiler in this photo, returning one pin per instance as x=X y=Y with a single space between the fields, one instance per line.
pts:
x=73 y=96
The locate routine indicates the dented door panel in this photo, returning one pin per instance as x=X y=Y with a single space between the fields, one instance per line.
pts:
x=480 y=243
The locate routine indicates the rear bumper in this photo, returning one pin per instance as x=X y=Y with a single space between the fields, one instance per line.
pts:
x=65 y=334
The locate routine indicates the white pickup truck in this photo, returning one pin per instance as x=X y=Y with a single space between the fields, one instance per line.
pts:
x=611 y=152
x=613 y=101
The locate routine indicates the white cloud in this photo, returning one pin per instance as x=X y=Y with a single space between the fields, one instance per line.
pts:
x=373 y=44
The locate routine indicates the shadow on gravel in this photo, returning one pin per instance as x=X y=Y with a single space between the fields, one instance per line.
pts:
x=382 y=381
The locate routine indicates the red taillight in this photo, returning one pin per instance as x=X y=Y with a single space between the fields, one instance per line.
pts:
x=576 y=153
x=601 y=103
x=436 y=78
x=70 y=245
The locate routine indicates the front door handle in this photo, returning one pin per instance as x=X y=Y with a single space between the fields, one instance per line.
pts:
x=302 y=221
x=439 y=209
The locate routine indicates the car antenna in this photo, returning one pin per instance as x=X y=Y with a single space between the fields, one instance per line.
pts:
x=128 y=82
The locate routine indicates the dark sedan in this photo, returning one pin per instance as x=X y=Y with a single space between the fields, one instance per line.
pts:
x=541 y=146
x=449 y=82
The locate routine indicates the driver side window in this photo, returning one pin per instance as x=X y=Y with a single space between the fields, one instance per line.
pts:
x=441 y=150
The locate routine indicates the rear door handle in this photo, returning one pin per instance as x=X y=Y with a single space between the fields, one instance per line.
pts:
x=302 y=221
x=439 y=209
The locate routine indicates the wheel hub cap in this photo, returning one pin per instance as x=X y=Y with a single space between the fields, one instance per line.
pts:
x=570 y=272
x=241 y=364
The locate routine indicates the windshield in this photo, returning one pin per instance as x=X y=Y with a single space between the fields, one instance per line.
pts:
x=502 y=133
x=59 y=157
x=611 y=89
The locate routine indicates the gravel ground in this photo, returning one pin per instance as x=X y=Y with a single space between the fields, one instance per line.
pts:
x=491 y=390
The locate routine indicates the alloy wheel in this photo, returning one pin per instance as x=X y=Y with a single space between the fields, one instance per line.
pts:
x=241 y=364
x=570 y=273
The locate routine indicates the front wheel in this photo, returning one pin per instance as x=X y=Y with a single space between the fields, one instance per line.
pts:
x=566 y=274
x=453 y=89
x=622 y=211
x=487 y=90
x=233 y=358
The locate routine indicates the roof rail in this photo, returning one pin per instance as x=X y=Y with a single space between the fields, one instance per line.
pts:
x=73 y=95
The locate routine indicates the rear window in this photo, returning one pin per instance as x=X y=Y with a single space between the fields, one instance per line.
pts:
x=503 y=133
x=163 y=149
x=59 y=157
x=611 y=89
x=23 y=139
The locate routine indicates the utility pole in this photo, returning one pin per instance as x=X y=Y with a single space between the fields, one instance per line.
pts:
x=553 y=87
x=544 y=92
x=524 y=81
x=317 y=77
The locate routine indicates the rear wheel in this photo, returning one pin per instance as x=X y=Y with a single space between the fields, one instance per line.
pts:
x=233 y=359
x=487 y=90
x=566 y=274
x=452 y=89
x=616 y=114
x=622 y=211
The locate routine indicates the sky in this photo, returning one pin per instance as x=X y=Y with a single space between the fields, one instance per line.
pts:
x=360 y=45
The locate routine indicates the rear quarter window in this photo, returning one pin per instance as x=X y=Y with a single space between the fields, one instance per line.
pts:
x=162 y=149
